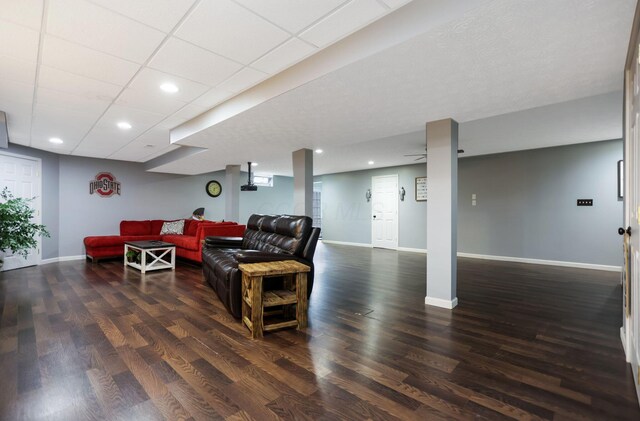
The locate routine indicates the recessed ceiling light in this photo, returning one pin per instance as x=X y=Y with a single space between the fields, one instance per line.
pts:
x=169 y=88
x=370 y=162
x=319 y=151
x=124 y=125
x=254 y=164
x=56 y=140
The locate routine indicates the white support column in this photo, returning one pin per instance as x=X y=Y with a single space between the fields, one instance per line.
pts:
x=442 y=213
x=232 y=193
x=303 y=182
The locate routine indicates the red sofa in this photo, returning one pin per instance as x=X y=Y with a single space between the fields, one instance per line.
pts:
x=188 y=245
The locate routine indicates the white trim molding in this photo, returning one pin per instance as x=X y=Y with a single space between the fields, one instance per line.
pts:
x=578 y=265
x=62 y=259
x=346 y=243
x=412 y=250
x=541 y=262
x=442 y=303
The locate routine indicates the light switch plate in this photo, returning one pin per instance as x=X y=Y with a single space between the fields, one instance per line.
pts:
x=473 y=203
x=473 y=196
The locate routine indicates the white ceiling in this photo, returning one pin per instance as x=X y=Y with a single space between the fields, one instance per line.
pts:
x=74 y=68
x=501 y=57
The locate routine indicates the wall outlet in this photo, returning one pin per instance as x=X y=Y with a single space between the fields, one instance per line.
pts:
x=473 y=203
x=473 y=196
x=585 y=202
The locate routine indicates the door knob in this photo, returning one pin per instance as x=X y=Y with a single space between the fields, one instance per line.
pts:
x=622 y=231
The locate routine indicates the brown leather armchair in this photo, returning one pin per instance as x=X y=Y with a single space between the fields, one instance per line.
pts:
x=267 y=238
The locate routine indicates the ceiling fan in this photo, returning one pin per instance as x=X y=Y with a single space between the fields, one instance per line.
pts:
x=424 y=155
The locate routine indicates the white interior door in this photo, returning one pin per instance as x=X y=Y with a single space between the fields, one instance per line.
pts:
x=384 y=211
x=22 y=177
x=632 y=211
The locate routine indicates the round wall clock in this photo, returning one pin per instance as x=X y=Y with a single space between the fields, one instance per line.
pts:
x=214 y=188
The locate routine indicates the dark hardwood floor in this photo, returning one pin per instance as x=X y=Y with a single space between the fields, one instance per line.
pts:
x=96 y=341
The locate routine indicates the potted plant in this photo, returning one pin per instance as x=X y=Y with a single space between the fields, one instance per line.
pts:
x=17 y=232
x=133 y=256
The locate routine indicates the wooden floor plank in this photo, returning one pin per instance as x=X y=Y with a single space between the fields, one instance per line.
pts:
x=97 y=341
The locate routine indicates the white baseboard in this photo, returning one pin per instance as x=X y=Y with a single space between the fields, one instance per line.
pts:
x=498 y=258
x=412 y=250
x=439 y=302
x=541 y=262
x=62 y=259
x=345 y=243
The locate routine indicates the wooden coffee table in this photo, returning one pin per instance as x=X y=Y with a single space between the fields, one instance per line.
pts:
x=152 y=255
x=255 y=300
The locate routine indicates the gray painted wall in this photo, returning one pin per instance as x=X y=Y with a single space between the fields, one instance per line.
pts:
x=71 y=213
x=526 y=204
x=346 y=214
x=50 y=198
x=267 y=200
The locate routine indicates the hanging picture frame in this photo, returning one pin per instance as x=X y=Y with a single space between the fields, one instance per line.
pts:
x=421 y=189
x=620 y=179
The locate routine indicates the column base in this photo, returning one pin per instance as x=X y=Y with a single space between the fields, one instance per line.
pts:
x=439 y=302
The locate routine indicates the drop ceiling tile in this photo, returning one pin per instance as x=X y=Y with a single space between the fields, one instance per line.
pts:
x=45 y=145
x=160 y=14
x=65 y=100
x=18 y=41
x=183 y=59
x=394 y=4
x=62 y=81
x=212 y=98
x=140 y=120
x=149 y=81
x=292 y=15
x=187 y=113
x=98 y=28
x=17 y=70
x=16 y=91
x=141 y=153
x=284 y=56
x=342 y=22
x=23 y=12
x=242 y=80
x=84 y=61
x=68 y=125
x=230 y=30
x=19 y=141
x=155 y=137
x=149 y=101
x=18 y=120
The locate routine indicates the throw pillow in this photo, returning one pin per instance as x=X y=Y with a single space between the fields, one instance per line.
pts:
x=172 y=227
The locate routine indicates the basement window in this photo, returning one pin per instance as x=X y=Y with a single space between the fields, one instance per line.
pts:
x=263 y=180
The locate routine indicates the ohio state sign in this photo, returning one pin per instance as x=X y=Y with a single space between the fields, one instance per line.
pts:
x=105 y=185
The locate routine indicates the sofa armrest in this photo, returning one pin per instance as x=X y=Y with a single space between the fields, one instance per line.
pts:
x=219 y=230
x=222 y=242
x=257 y=256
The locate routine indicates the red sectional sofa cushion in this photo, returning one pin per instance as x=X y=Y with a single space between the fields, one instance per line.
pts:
x=156 y=226
x=135 y=228
x=184 y=241
x=190 y=226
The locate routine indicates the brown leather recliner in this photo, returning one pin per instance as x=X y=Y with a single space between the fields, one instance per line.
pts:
x=267 y=238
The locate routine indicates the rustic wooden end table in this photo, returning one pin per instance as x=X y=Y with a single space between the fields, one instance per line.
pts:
x=255 y=300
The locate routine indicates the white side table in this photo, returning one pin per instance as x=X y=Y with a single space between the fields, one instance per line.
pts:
x=153 y=255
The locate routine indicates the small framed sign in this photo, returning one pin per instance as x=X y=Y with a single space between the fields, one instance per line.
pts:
x=421 y=189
